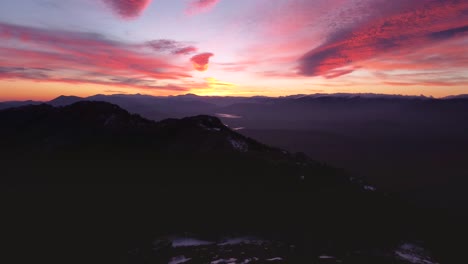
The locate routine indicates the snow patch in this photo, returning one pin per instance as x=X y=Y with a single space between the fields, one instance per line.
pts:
x=222 y=261
x=110 y=119
x=413 y=254
x=189 y=242
x=178 y=260
x=240 y=240
x=239 y=145
x=275 y=259
x=217 y=129
x=370 y=188
x=228 y=116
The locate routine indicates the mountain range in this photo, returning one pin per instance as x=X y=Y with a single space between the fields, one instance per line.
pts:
x=404 y=143
x=97 y=179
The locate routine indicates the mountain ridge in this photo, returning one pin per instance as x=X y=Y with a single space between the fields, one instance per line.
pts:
x=43 y=129
x=183 y=174
x=294 y=96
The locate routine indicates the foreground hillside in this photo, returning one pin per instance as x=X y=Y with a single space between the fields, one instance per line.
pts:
x=100 y=135
x=91 y=182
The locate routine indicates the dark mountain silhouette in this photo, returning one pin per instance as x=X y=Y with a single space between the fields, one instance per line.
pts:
x=65 y=100
x=9 y=104
x=415 y=138
x=158 y=108
x=46 y=132
x=404 y=143
x=291 y=112
x=99 y=182
x=461 y=96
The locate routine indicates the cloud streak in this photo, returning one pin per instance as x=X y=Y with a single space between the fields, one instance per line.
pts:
x=342 y=39
x=391 y=29
x=40 y=75
x=81 y=57
x=172 y=46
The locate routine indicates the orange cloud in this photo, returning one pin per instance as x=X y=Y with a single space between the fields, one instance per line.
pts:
x=213 y=82
x=201 y=61
x=211 y=87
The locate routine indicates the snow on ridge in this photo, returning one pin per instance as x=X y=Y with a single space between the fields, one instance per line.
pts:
x=110 y=119
x=222 y=261
x=413 y=254
x=217 y=129
x=275 y=259
x=370 y=188
x=239 y=145
x=231 y=116
x=189 y=242
x=179 y=260
x=240 y=240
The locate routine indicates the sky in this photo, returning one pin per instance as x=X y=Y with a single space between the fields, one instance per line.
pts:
x=232 y=47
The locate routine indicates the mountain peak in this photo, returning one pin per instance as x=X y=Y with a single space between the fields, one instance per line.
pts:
x=207 y=122
x=66 y=97
x=189 y=95
x=63 y=100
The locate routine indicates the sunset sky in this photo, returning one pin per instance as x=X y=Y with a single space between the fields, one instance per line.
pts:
x=232 y=47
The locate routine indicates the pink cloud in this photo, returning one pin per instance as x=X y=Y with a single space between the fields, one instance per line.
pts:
x=185 y=50
x=400 y=26
x=339 y=72
x=201 y=61
x=428 y=83
x=334 y=38
x=172 y=46
x=82 y=57
x=199 y=6
x=128 y=9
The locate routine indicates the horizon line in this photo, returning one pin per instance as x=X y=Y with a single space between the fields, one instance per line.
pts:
x=240 y=96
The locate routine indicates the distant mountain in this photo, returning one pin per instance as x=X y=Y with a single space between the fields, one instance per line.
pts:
x=357 y=96
x=65 y=100
x=461 y=96
x=342 y=108
x=191 y=174
x=5 y=105
x=158 y=108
